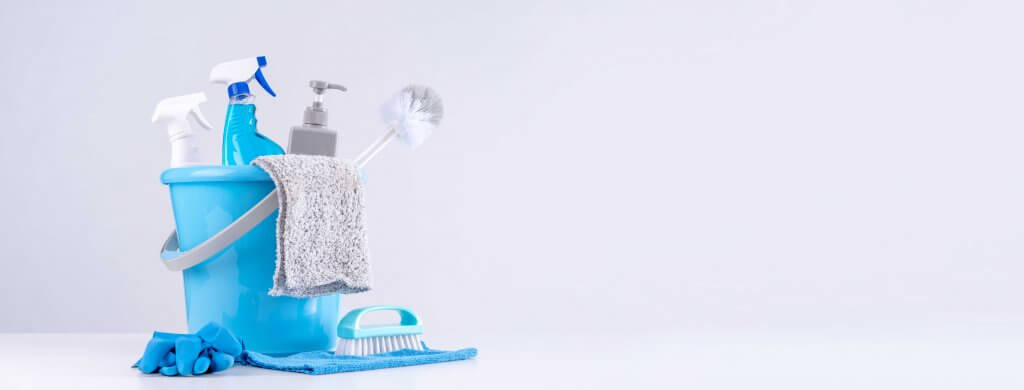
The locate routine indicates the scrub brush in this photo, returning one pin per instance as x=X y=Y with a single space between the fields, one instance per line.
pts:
x=411 y=115
x=361 y=341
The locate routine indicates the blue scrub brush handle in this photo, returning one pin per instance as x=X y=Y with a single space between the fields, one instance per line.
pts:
x=349 y=327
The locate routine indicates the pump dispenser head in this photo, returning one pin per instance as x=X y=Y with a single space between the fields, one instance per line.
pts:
x=313 y=137
x=316 y=114
x=174 y=112
x=237 y=74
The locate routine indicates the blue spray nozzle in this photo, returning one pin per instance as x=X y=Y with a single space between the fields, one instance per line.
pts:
x=239 y=72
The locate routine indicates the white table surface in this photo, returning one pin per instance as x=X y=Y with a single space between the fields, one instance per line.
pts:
x=653 y=360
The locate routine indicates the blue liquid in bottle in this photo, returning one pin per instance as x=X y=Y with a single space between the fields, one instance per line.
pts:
x=242 y=142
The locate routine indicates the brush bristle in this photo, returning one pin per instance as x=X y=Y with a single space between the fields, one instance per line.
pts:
x=414 y=113
x=375 y=345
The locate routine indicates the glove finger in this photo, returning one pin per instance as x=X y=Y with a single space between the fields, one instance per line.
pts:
x=169 y=360
x=221 y=339
x=169 y=371
x=187 y=349
x=201 y=366
x=221 y=361
x=155 y=351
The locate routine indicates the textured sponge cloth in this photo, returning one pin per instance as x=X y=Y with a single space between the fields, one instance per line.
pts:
x=321 y=235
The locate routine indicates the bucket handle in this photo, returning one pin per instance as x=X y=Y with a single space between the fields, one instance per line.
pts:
x=176 y=260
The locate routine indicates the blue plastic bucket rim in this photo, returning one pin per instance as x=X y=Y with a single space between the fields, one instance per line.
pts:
x=213 y=173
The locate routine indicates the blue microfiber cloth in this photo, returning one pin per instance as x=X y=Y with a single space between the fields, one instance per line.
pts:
x=320 y=363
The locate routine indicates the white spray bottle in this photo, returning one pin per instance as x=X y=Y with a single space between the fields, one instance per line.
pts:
x=173 y=112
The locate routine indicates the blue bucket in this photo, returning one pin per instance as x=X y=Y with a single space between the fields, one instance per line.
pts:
x=231 y=287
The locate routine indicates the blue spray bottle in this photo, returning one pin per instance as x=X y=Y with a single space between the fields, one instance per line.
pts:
x=242 y=142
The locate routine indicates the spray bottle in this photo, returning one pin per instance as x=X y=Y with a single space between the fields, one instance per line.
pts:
x=313 y=137
x=173 y=112
x=242 y=141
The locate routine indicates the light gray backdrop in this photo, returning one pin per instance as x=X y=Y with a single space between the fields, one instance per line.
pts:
x=791 y=165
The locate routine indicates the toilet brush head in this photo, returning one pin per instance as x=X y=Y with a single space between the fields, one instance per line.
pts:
x=413 y=113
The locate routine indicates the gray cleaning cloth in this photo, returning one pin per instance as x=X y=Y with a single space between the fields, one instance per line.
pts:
x=321 y=237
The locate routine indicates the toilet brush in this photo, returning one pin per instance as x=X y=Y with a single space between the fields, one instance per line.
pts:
x=411 y=115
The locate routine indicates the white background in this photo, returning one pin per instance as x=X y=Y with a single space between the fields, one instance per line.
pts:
x=847 y=169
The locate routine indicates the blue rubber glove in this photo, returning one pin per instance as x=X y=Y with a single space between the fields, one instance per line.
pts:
x=171 y=370
x=212 y=349
x=156 y=350
x=221 y=339
x=220 y=361
x=188 y=348
x=202 y=365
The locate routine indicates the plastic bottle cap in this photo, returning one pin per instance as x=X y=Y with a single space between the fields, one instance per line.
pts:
x=236 y=89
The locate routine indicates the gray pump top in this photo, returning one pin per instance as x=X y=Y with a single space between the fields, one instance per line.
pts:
x=316 y=115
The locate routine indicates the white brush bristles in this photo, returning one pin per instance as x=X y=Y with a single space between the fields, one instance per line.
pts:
x=414 y=113
x=375 y=345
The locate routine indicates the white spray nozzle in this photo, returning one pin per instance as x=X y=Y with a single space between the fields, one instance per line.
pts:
x=237 y=74
x=173 y=110
x=411 y=116
x=174 y=113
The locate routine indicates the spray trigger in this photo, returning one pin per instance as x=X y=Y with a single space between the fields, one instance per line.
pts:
x=198 y=116
x=263 y=82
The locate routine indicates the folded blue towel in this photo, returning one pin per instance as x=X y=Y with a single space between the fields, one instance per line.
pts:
x=320 y=363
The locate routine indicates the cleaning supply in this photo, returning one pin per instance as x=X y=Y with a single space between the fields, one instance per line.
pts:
x=365 y=348
x=226 y=250
x=313 y=137
x=321 y=363
x=225 y=223
x=213 y=348
x=174 y=112
x=321 y=233
x=370 y=340
x=411 y=115
x=242 y=141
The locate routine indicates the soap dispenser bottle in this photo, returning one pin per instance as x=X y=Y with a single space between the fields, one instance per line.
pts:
x=313 y=137
x=242 y=142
